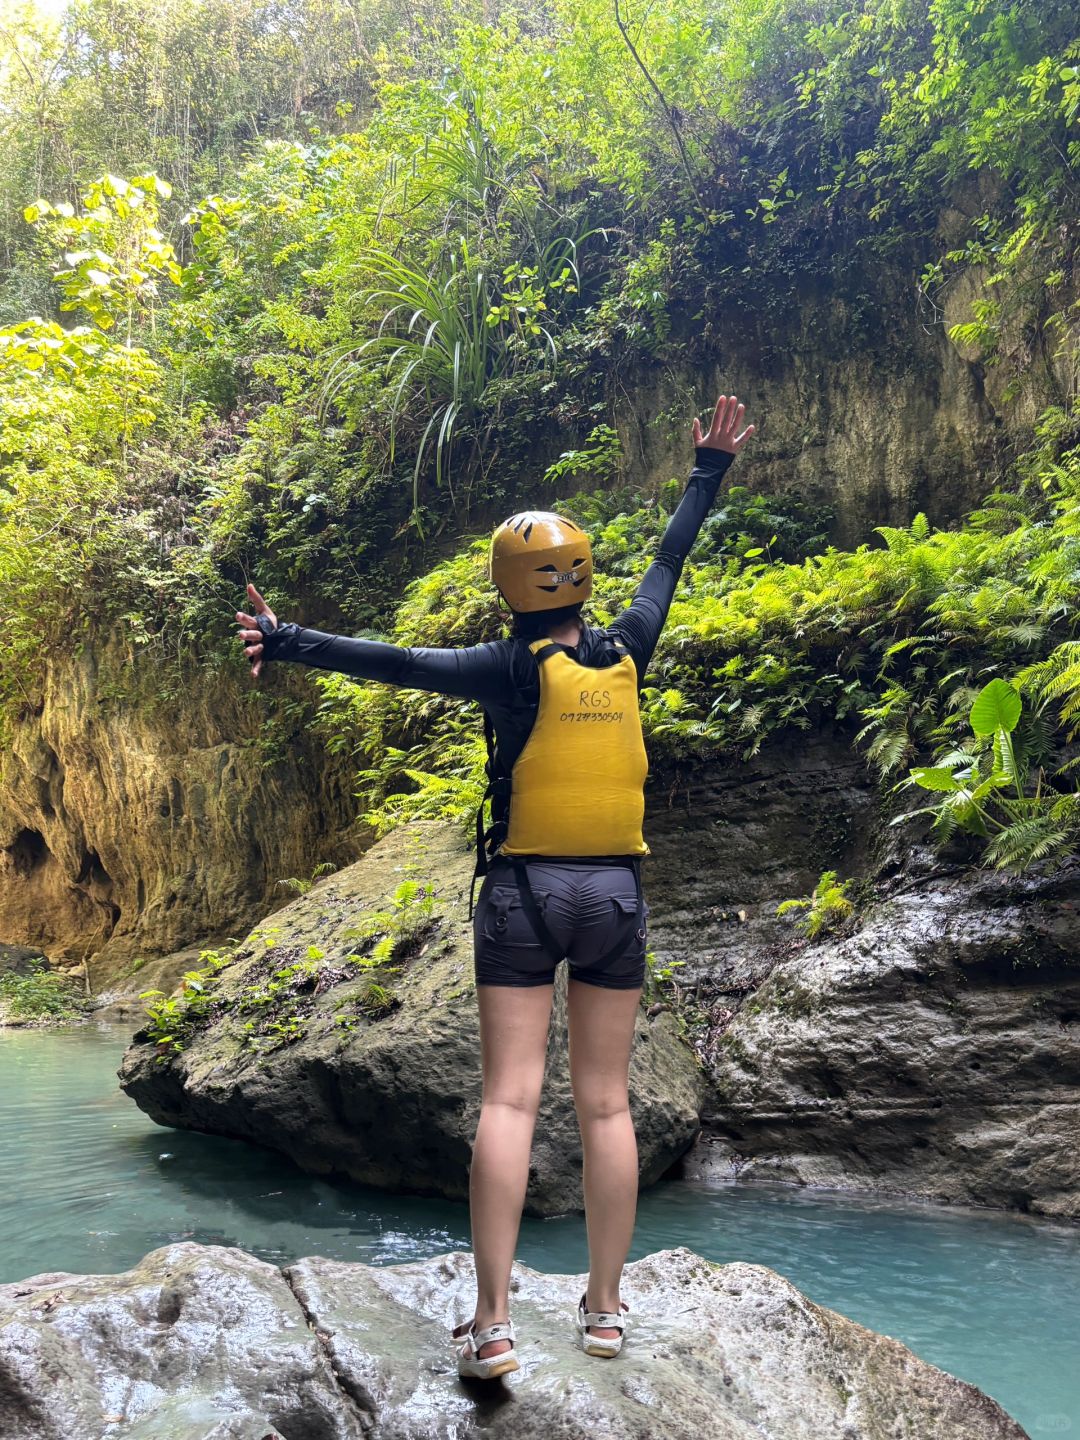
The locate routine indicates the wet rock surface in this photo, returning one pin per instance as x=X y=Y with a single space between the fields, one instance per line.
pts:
x=194 y=1341
x=729 y=842
x=935 y=1051
x=209 y=1343
x=393 y=1102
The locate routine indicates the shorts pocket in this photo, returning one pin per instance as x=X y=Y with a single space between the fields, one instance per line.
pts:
x=628 y=905
x=504 y=920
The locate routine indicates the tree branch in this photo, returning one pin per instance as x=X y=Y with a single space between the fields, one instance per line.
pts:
x=669 y=111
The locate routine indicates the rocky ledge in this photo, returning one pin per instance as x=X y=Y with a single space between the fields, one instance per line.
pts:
x=931 y=1047
x=935 y=1051
x=363 y=1061
x=204 y=1342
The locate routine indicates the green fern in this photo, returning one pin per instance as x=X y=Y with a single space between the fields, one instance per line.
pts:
x=826 y=907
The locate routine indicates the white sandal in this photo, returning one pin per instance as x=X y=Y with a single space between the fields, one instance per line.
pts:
x=469 y=1342
x=603 y=1320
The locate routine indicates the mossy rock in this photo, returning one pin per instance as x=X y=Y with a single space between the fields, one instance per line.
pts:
x=386 y=1094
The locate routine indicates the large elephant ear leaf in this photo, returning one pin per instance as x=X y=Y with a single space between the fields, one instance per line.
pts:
x=996 y=707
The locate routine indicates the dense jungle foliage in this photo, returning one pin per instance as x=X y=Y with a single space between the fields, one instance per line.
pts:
x=305 y=293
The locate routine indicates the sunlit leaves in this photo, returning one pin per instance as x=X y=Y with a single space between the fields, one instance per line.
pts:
x=113 y=257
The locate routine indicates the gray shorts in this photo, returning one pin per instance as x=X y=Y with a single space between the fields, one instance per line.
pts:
x=590 y=910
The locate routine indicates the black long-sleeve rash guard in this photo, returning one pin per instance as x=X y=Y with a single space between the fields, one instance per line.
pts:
x=501 y=675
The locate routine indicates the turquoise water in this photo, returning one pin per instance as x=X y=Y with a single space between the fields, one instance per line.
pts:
x=91 y=1185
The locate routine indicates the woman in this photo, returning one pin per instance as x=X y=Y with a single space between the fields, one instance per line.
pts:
x=561 y=698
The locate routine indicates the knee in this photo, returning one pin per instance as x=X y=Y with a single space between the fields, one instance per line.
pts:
x=593 y=1106
x=521 y=1102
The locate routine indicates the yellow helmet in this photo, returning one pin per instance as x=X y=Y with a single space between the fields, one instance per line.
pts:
x=541 y=561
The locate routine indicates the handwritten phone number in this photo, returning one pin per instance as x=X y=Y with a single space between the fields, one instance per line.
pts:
x=609 y=715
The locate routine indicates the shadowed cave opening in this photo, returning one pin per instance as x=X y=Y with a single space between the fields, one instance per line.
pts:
x=28 y=850
x=99 y=883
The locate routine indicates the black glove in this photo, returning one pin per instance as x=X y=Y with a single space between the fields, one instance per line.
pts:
x=717 y=462
x=275 y=638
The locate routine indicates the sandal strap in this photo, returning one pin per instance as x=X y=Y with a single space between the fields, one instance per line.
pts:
x=501 y=1330
x=602 y=1319
x=476 y=1339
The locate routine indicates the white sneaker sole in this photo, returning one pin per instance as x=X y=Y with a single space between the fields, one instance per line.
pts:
x=595 y=1345
x=489 y=1369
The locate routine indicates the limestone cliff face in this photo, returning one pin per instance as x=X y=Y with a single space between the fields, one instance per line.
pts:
x=878 y=457
x=133 y=828
x=872 y=411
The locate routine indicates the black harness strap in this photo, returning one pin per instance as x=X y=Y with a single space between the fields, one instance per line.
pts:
x=497 y=789
x=532 y=910
x=536 y=919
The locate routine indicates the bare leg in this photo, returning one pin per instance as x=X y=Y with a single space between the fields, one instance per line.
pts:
x=601 y=1030
x=513 y=1043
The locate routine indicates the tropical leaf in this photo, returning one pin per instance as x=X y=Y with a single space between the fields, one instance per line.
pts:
x=934 y=778
x=996 y=707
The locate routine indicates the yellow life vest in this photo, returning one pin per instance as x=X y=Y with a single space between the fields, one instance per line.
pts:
x=577 y=788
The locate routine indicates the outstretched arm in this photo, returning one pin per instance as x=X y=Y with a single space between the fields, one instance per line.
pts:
x=474 y=672
x=640 y=624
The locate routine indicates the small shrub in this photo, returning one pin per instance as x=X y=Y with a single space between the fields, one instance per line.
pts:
x=397 y=931
x=173 y=1019
x=300 y=886
x=826 y=907
x=377 y=1000
x=660 y=988
x=41 y=995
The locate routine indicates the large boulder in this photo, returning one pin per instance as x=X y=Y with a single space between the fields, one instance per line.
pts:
x=208 y=1343
x=935 y=1051
x=390 y=1099
x=20 y=960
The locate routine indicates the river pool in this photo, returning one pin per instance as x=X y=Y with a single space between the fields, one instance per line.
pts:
x=90 y=1185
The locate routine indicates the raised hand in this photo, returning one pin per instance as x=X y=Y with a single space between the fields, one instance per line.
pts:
x=253 y=649
x=723 y=433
